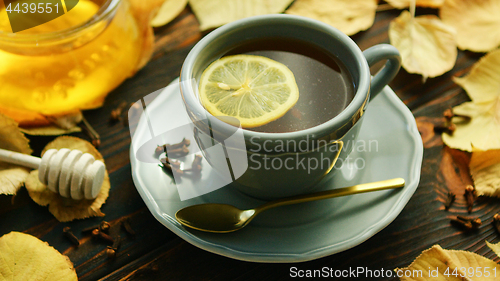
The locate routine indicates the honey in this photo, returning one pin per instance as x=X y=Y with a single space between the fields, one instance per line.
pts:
x=68 y=63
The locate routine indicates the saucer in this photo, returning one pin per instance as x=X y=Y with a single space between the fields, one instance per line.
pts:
x=388 y=146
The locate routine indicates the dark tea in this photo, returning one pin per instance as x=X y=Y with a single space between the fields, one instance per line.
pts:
x=325 y=86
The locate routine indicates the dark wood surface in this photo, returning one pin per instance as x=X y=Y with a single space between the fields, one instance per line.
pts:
x=155 y=253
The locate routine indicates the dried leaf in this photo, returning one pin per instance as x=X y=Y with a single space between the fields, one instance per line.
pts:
x=437 y=263
x=494 y=247
x=482 y=84
x=12 y=177
x=168 y=11
x=67 y=121
x=50 y=130
x=65 y=209
x=427 y=46
x=34 y=123
x=25 y=117
x=349 y=17
x=60 y=125
x=11 y=138
x=401 y=4
x=477 y=23
x=25 y=257
x=215 y=13
x=485 y=170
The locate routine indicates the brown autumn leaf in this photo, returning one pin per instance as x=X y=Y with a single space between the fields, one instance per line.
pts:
x=168 y=11
x=349 y=17
x=65 y=209
x=401 y=4
x=25 y=257
x=12 y=176
x=477 y=23
x=427 y=45
x=485 y=171
x=482 y=84
x=215 y=13
x=438 y=264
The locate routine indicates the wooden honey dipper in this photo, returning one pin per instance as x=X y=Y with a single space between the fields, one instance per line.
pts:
x=70 y=173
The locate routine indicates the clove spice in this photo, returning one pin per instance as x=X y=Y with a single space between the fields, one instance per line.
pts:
x=449 y=200
x=94 y=136
x=496 y=222
x=71 y=237
x=466 y=222
x=112 y=250
x=126 y=225
x=116 y=114
x=178 y=152
x=476 y=222
x=104 y=226
x=445 y=127
x=196 y=166
x=176 y=148
x=171 y=165
x=90 y=229
x=470 y=194
x=103 y=236
x=449 y=114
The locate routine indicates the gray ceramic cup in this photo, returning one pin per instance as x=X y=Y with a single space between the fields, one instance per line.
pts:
x=271 y=169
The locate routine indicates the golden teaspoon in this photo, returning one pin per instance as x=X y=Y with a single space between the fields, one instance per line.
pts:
x=222 y=218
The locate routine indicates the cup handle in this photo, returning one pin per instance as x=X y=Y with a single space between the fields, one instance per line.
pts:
x=388 y=72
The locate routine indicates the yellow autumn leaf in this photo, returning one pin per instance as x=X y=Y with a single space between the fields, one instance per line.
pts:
x=401 y=4
x=24 y=257
x=50 y=130
x=168 y=11
x=215 y=13
x=65 y=209
x=484 y=168
x=438 y=264
x=12 y=176
x=59 y=125
x=482 y=84
x=477 y=23
x=494 y=247
x=427 y=45
x=349 y=17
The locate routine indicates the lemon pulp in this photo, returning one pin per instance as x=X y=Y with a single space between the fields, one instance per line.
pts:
x=256 y=90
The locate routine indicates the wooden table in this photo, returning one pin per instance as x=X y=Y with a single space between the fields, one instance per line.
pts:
x=155 y=253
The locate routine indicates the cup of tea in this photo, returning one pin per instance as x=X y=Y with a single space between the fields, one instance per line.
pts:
x=291 y=154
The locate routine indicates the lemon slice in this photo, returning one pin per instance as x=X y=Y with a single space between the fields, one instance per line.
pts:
x=256 y=90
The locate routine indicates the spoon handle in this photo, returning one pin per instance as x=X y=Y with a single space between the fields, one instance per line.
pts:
x=355 y=189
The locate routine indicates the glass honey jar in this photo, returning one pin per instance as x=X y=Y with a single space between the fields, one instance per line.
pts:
x=68 y=63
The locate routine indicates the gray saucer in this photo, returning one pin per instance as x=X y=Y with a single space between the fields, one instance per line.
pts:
x=389 y=146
